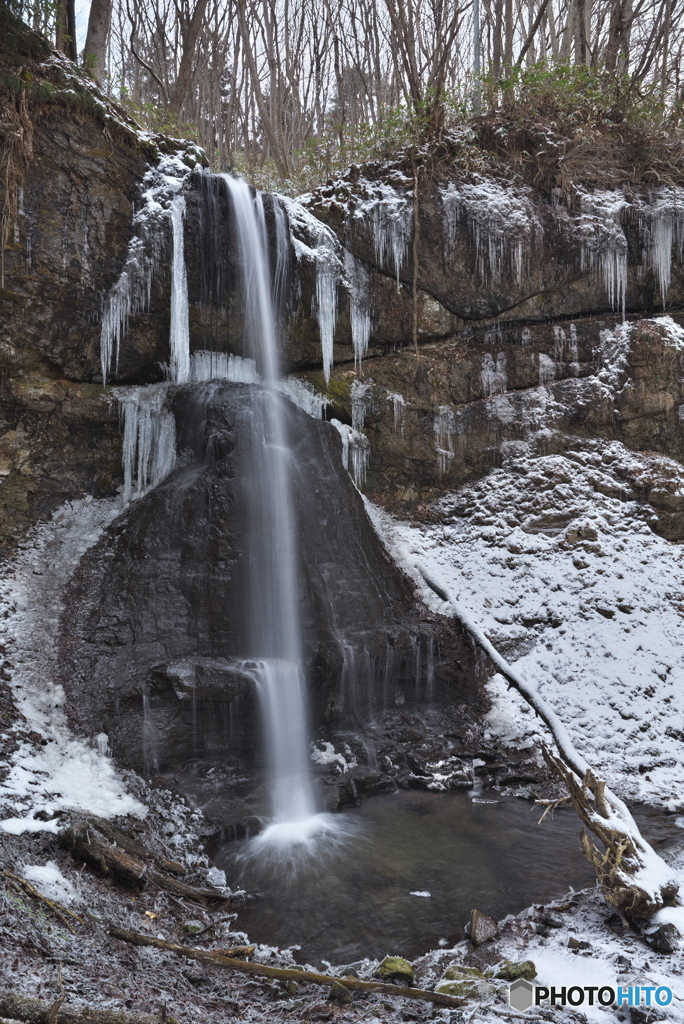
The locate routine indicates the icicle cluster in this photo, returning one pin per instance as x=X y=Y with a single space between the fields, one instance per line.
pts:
x=131 y=292
x=206 y=366
x=149 y=443
x=359 y=394
x=500 y=221
x=661 y=221
x=392 y=222
x=604 y=243
x=444 y=437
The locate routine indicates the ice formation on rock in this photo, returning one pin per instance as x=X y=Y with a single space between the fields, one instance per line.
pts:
x=493 y=374
x=603 y=241
x=444 y=437
x=149 y=443
x=131 y=292
x=359 y=305
x=499 y=219
x=661 y=221
x=355 y=451
x=359 y=395
x=547 y=369
x=398 y=408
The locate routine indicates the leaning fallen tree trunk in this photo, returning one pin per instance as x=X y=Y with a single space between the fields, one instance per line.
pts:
x=633 y=878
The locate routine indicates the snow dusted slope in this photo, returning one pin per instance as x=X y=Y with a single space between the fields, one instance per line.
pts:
x=571 y=584
x=67 y=771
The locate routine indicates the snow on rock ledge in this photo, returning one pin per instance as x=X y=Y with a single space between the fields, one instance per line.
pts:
x=67 y=772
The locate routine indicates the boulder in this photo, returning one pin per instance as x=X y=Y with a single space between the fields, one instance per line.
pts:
x=395 y=969
x=481 y=928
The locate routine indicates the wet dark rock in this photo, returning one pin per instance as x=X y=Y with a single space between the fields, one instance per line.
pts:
x=665 y=939
x=154 y=641
x=553 y=921
x=574 y=943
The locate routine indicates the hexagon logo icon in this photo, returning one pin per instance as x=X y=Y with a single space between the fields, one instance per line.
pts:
x=521 y=994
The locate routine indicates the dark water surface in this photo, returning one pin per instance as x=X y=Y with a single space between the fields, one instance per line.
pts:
x=351 y=898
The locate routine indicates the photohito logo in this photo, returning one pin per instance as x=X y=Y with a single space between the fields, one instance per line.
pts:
x=523 y=994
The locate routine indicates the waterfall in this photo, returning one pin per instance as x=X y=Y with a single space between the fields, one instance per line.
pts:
x=276 y=657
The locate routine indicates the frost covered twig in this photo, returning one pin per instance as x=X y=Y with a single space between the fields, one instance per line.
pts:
x=633 y=878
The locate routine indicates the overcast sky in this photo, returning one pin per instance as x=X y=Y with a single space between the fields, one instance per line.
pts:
x=82 y=12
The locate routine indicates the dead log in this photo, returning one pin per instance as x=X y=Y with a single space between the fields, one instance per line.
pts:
x=63 y=913
x=88 y=842
x=218 y=958
x=633 y=878
x=118 y=838
x=37 y=1011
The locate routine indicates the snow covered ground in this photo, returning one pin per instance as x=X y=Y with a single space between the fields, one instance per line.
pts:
x=62 y=771
x=570 y=583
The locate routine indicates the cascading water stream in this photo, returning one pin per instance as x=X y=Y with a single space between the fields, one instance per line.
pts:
x=275 y=627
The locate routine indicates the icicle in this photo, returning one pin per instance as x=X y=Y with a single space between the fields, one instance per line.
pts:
x=558 y=343
x=180 y=326
x=359 y=306
x=444 y=437
x=525 y=337
x=326 y=302
x=149 y=444
x=493 y=374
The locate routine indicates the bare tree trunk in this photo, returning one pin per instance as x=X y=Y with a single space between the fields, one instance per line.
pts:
x=184 y=77
x=95 y=50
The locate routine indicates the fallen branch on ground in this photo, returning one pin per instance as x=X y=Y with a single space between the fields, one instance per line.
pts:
x=633 y=878
x=37 y=1011
x=63 y=913
x=219 y=958
x=88 y=841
